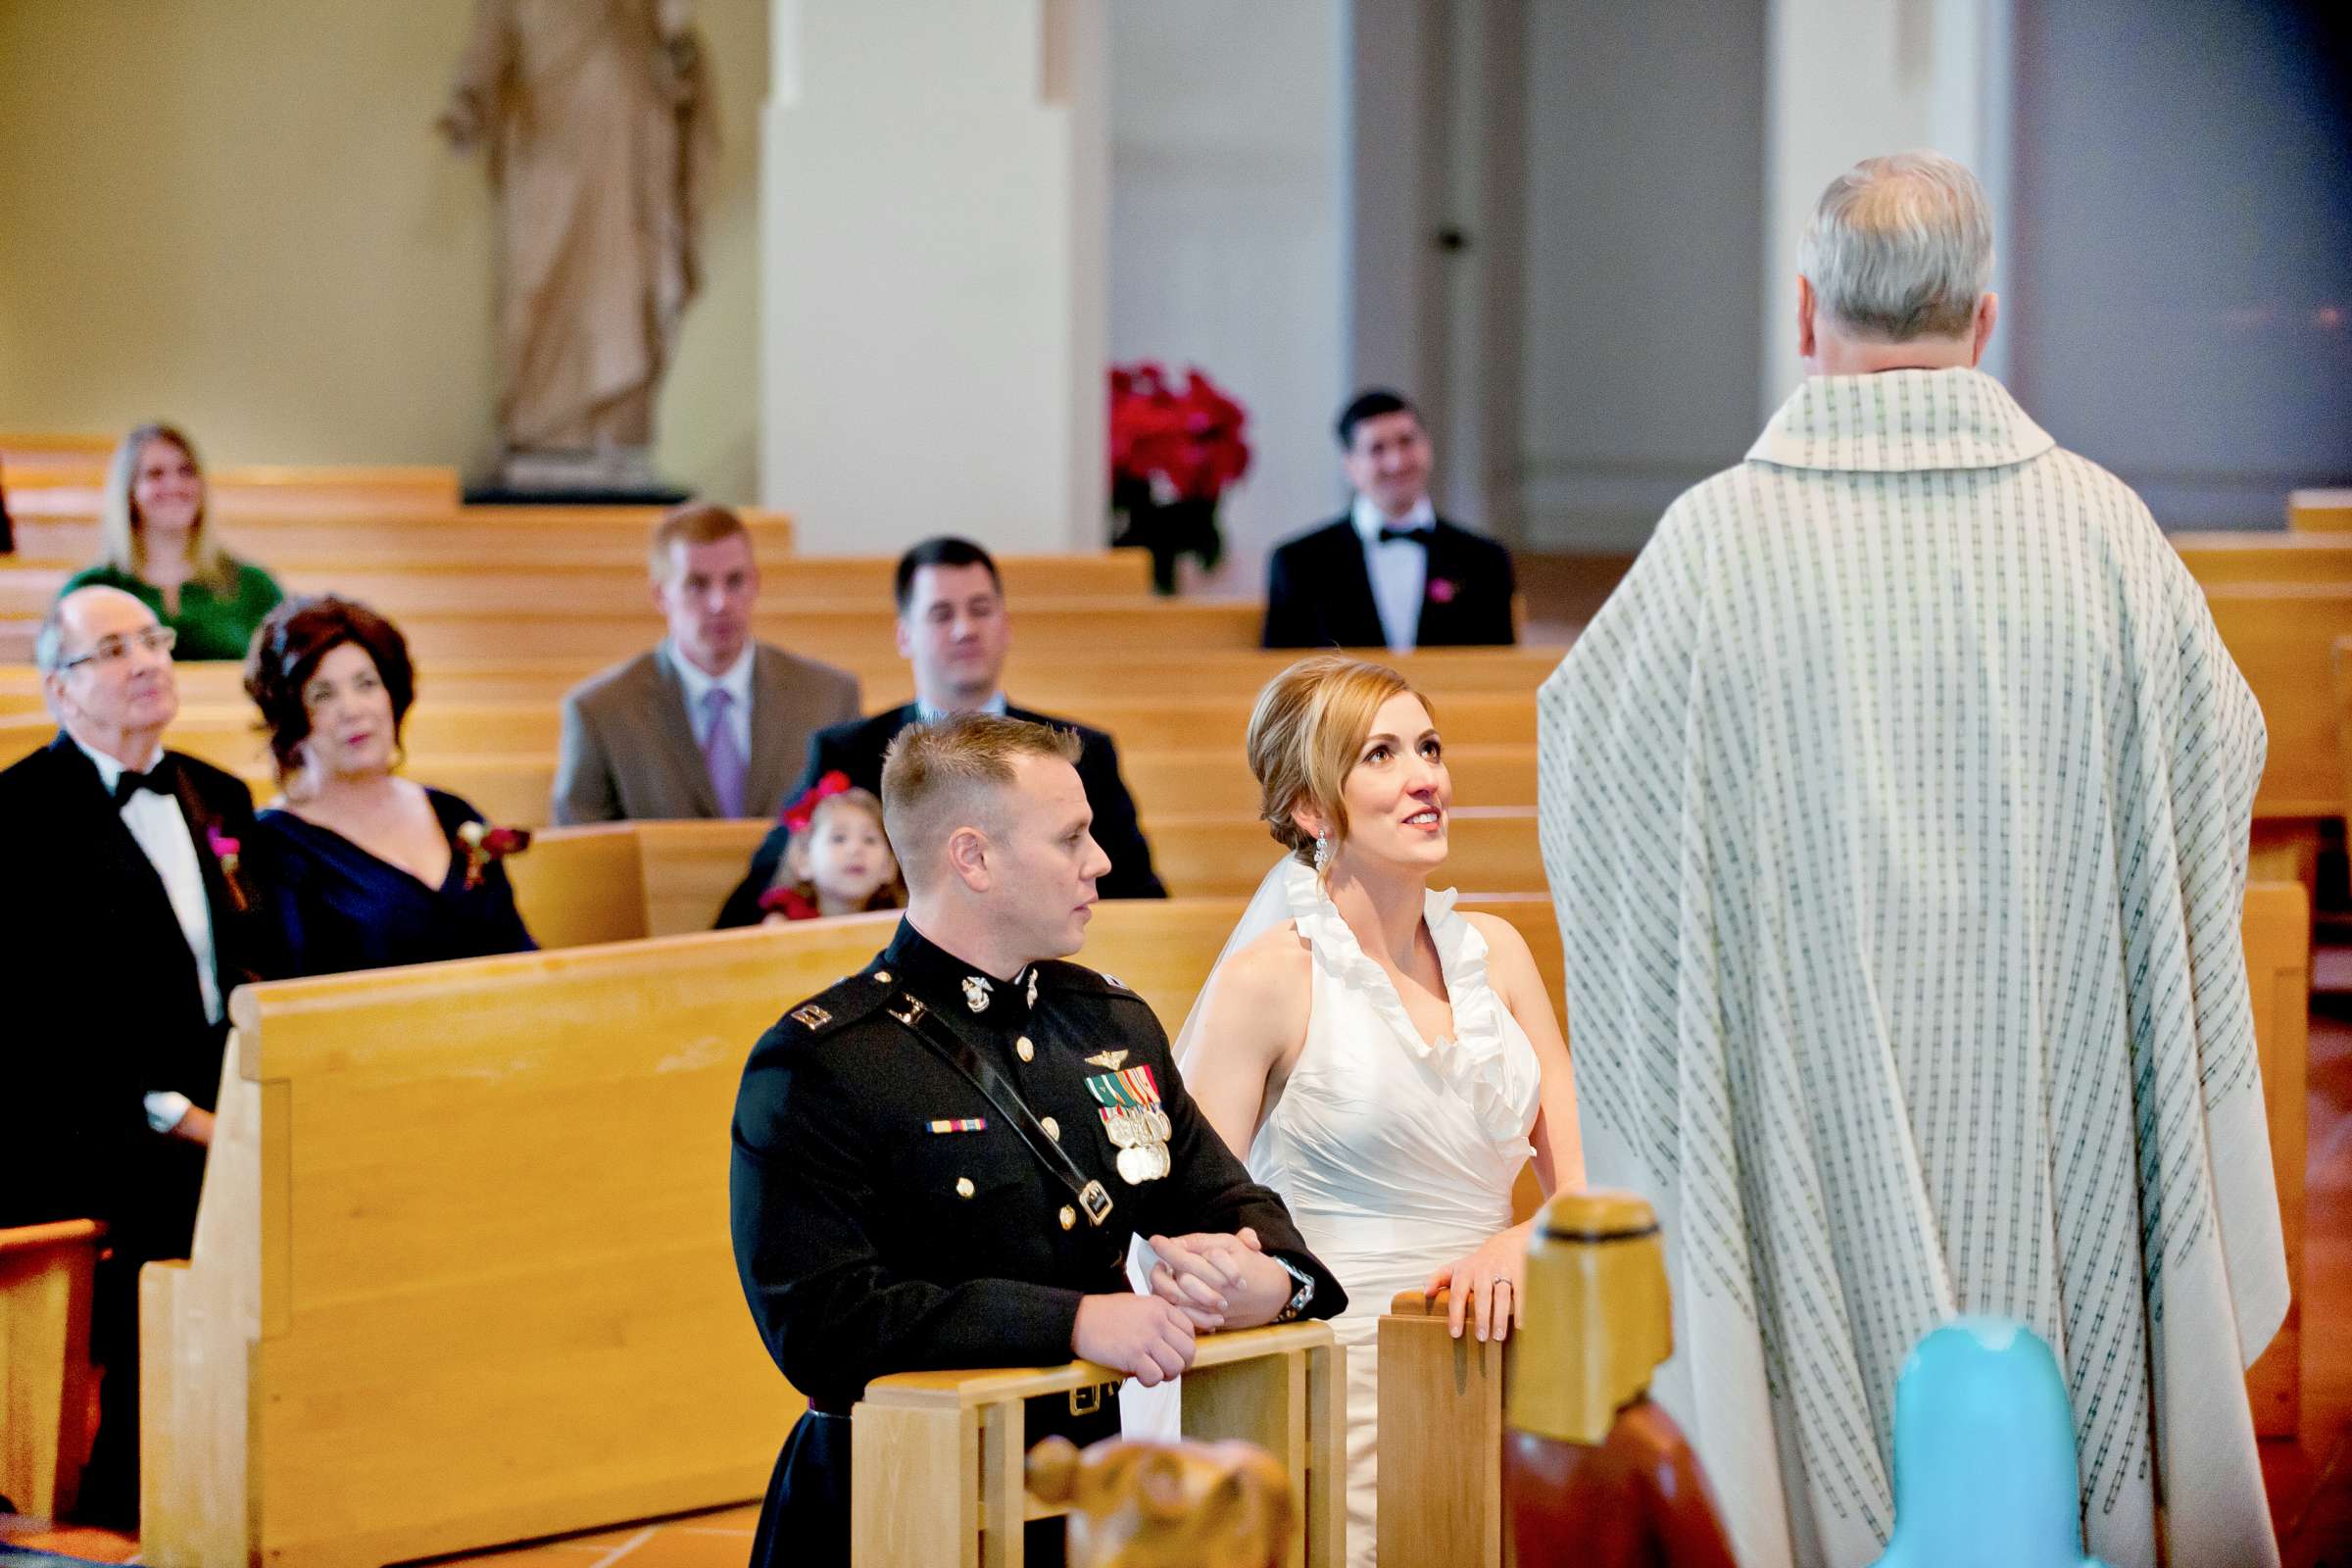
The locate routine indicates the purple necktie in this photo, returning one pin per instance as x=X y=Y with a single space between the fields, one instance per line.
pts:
x=721 y=756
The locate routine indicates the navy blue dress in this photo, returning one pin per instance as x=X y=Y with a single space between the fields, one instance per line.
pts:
x=336 y=907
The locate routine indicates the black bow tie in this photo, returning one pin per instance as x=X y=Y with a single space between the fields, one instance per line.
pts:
x=1408 y=536
x=130 y=781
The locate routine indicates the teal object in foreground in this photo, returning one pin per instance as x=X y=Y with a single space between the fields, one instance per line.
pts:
x=1985 y=1473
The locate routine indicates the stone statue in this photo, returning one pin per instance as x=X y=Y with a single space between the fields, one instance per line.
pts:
x=1594 y=1474
x=1167 y=1505
x=601 y=132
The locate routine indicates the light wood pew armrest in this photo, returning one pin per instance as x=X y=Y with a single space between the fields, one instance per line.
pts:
x=938 y=1458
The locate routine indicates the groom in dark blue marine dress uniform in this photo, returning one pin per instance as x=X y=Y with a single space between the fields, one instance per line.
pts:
x=939 y=1163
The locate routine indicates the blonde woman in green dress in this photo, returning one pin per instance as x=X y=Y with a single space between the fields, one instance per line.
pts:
x=153 y=546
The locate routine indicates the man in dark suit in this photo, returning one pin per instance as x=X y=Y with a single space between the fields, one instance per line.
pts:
x=955 y=633
x=940 y=1162
x=711 y=723
x=139 y=927
x=1392 y=574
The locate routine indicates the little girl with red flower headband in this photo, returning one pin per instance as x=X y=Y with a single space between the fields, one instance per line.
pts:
x=837 y=860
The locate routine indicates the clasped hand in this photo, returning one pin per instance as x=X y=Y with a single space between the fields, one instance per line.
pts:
x=1200 y=1282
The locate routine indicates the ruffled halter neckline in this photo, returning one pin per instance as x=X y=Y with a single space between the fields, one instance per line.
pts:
x=1473 y=1061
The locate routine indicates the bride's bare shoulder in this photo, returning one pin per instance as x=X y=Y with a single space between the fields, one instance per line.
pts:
x=1270 y=967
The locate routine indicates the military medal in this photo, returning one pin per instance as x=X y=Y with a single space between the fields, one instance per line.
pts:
x=1129 y=1105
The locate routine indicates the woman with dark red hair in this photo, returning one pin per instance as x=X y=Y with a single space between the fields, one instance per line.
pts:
x=365 y=869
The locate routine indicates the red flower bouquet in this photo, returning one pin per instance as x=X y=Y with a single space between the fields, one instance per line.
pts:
x=1174 y=449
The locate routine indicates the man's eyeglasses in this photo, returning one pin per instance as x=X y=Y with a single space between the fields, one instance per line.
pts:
x=109 y=651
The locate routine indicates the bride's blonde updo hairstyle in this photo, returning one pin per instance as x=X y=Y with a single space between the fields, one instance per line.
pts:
x=1305 y=733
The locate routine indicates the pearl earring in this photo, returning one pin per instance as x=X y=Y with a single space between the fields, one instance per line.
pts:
x=1322 y=853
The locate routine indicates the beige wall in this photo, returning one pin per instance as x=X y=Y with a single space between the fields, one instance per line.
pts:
x=236 y=215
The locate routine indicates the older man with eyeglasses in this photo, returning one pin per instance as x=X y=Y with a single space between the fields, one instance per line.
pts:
x=133 y=926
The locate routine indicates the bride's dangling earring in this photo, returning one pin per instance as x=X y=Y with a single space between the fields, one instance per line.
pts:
x=1322 y=853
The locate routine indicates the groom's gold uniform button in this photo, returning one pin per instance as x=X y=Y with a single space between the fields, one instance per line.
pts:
x=1027 y=1050
x=1069 y=1216
x=1052 y=1128
x=963 y=1186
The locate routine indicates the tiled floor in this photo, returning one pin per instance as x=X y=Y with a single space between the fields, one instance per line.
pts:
x=2310 y=1480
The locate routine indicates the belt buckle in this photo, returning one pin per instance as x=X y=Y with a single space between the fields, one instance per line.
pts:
x=1086 y=1400
x=1095 y=1199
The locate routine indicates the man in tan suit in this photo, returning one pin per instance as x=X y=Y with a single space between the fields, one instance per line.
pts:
x=709 y=724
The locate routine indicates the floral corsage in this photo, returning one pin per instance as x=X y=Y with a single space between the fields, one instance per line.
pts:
x=485 y=843
x=224 y=853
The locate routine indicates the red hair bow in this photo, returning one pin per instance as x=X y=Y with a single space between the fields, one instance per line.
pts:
x=803 y=810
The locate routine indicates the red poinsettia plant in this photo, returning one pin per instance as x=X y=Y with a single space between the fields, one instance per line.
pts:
x=1175 y=448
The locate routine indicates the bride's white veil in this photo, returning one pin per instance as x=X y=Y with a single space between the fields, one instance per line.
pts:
x=1270 y=906
x=1155 y=1413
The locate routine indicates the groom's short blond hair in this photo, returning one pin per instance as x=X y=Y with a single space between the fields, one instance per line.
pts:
x=1305 y=733
x=939 y=777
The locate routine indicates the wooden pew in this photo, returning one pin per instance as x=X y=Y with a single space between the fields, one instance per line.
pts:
x=392 y=536
x=620 y=881
x=2283 y=636
x=2278 y=941
x=2261 y=556
x=936 y=1465
x=2320 y=509
x=688 y=868
x=402 y=589
x=1052 y=683
x=227 y=736
x=263 y=491
x=487 y=1292
x=46 y=1380
x=32 y=458
x=854 y=636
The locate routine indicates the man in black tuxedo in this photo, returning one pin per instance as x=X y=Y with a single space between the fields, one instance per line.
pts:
x=953 y=632
x=1392 y=574
x=138 y=924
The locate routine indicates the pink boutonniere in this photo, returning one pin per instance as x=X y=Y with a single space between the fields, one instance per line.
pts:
x=224 y=850
x=1442 y=589
x=485 y=843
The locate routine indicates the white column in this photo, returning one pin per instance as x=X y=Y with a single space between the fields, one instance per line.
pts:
x=1850 y=78
x=933 y=295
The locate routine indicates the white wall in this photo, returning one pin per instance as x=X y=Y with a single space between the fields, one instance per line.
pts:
x=1639 y=334
x=1228 y=245
x=932 y=308
x=236 y=215
x=1850 y=79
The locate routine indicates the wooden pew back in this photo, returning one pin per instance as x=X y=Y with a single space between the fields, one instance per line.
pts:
x=402 y=589
x=485 y=1294
x=46 y=1276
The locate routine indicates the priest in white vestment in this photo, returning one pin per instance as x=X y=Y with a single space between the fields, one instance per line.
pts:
x=1896 y=811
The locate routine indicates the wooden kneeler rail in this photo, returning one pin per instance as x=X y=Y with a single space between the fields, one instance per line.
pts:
x=936 y=1458
x=46 y=1272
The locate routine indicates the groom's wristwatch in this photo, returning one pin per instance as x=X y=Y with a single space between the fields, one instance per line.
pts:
x=1300 y=1297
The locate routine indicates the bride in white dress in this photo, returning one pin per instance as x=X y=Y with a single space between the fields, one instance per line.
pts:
x=1383 y=1057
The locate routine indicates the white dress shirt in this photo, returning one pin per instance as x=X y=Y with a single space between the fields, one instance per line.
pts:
x=736 y=682
x=154 y=820
x=1399 y=568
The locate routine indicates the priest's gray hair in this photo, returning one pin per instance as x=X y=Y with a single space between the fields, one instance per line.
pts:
x=1900 y=247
